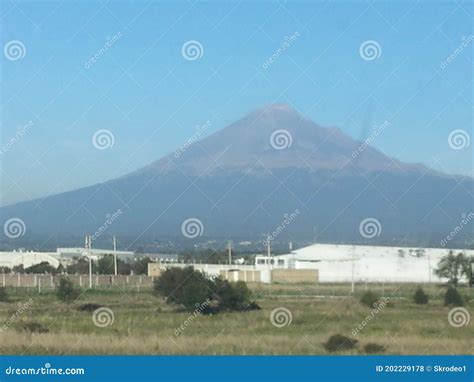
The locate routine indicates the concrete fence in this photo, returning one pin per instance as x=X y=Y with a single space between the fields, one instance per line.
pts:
x=98 y=281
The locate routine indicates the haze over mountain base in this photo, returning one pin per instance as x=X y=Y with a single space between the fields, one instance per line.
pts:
x=245 y=180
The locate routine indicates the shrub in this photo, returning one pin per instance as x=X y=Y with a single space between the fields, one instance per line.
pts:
x=43 y=267
x=338 y=342
x=370 y=299
x=191 y=289
x=66 y=291
x=420 y=297
x=453 y=297
x=89 y=307
x=184 y=286
x=373 y=348
x=235 y=296
x=4 y=295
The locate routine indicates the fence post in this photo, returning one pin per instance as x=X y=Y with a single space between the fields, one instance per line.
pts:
x=19 y=279
x=3 y=279
x=39 y=285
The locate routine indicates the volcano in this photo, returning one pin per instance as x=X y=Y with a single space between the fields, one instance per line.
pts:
x=272 y=171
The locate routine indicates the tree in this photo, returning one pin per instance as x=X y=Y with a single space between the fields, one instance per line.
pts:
x=453 y=297
x=18 y=269
x=66 y=291
x=140 y=265
x=420 y=297
x=453 y=267
x=81 y=266
x=43 y=267
x=105 y=265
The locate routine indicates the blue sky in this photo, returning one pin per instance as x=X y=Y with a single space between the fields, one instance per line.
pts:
x=151 y=98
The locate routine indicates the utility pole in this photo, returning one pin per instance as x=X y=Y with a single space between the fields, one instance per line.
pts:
x=88 y=247
x=269 y=251
x=429 y=267
x=115 y=256
x=353 y=270
x=229 y=247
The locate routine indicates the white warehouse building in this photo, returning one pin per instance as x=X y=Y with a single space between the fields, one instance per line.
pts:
x=342 y=263
x=27 y=258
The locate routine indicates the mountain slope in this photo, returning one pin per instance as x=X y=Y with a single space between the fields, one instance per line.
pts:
x=244 y=179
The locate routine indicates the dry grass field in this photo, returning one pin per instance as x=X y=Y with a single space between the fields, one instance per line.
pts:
x=144 y=324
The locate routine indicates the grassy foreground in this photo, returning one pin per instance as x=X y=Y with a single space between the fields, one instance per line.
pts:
x=143 y=324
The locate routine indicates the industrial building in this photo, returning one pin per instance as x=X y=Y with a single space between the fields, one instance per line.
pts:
x=64 y=256
x=27 y=258
x=362 y=263
x=334 y=263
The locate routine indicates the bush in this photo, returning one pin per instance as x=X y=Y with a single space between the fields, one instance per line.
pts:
x=373 y=348
x=338 y=342
x=4 y=295
x=453 y=297
x=420 y=297
x=66 y=291
x=89 y=307
x=192 y=289
x=234 y=296
x=183 y=286
x=370 y=299
x=43 y=267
